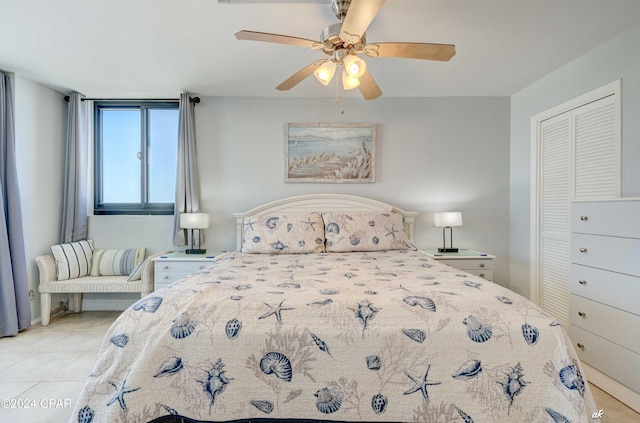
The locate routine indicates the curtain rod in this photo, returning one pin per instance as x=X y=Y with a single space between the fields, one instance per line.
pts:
x=193 y=99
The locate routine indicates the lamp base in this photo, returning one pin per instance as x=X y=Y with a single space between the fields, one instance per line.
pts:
x=447 y=250
x=195 y=251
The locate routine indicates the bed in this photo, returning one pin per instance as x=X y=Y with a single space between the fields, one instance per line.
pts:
x=326 y=312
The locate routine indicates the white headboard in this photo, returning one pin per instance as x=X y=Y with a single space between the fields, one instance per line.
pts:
x=322 y=203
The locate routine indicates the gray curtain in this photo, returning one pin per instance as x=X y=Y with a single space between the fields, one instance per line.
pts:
x=187 y=184
x=15 y=311
x=74 y=205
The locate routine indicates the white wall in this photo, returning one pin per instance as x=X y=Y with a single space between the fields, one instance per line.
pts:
x=40 y=127
x=615 y=59
x=433 y=154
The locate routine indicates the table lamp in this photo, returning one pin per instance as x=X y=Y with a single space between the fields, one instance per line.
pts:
x=195 y=222
x=447 y=220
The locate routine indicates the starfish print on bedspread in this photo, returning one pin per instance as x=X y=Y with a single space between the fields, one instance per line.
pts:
x=120 y=392
x=421 y=384
x=275 y=311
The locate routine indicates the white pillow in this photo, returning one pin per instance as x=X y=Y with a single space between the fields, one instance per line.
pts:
x=73 y=260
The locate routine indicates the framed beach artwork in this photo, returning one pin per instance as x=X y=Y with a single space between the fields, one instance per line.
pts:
x=330 y=152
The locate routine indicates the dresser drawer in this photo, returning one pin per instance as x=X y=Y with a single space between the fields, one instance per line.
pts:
x=468 y=264
x=617 y=362
x=613 y=218
x=607 y=322
x=615 y=289
x=620 y=255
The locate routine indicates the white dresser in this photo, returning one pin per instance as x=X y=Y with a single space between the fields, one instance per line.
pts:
x=171 y=267
x=604 y=287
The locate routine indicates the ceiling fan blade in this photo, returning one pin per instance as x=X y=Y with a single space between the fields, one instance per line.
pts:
x=297 y=77
x=427 y=51
x=368 y=86
x=358 y=18
x=277 y=38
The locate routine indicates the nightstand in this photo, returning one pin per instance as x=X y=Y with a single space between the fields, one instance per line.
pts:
x=471 y=261
x=171 y=267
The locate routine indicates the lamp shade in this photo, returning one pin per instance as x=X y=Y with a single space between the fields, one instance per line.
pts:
x=354 y=65
x=325 y=72
x=194 y=220
x=349 y=82
x=447 y=219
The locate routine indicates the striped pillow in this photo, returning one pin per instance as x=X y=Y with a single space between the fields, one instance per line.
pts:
x=116 y=262
x=73 y=260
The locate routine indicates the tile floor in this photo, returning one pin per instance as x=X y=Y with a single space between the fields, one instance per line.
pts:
x=47 y=366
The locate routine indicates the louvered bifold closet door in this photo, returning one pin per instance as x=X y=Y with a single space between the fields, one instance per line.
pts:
x=555 y=196
x=597 y=151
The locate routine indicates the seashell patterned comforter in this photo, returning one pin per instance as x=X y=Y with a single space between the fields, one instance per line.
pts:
x=373 y=336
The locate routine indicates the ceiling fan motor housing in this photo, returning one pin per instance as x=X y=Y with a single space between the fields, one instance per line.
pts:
x=340 y=8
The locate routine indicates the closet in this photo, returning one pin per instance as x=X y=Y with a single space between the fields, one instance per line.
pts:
x=577 y=157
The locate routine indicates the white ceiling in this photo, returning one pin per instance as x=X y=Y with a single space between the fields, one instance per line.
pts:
x=158 y=48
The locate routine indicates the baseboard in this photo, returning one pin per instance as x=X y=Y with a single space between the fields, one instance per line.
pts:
x=613 y=387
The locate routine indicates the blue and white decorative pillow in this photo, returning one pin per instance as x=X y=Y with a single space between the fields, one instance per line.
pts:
x=117 y=262
x=283 y=234
x=73 y=260
x=365 y=232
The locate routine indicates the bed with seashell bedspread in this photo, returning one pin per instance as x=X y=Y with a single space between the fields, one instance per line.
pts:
x=388 y=335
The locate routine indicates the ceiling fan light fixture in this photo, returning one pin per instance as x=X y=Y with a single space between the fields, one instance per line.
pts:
x=354 y=65
x=349 y=82
x=324 y=73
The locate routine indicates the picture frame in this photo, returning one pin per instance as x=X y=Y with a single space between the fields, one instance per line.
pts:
x=330 y=152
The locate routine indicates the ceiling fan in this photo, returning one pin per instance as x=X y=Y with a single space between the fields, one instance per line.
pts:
x=344 y=41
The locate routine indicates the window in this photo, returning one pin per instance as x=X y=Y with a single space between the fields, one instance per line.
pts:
x=136 y=145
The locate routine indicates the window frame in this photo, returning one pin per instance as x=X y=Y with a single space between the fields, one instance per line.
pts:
x=144 y=207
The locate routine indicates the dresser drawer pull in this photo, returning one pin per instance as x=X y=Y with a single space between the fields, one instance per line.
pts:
x=166 y=277
x=580 y=345
x=583 y=250
x=582 y=282
x=584 y=217
x=166 y=268
x=201 y=267
x=481 y=275
x=582 y=314
x=481 y=264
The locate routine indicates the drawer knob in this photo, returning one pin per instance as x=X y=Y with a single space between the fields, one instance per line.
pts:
x=166 y=268
x=584 y=217
x=482 y=275
x=201 y=267
x=481 y=264
x=166 y=277
x=580 y=345
x=583 y=250
x=582 y=282
x=582 y=314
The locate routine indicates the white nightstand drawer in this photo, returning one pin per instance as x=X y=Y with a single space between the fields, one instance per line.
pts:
x=181 y=266
x=469 y=264
x=487 y=274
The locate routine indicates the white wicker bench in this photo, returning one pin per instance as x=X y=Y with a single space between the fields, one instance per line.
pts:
x=87 y=284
